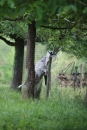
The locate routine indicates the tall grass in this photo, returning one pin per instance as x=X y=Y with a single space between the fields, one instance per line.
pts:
x=64 y=110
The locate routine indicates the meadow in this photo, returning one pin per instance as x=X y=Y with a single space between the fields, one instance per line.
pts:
x=65 y=109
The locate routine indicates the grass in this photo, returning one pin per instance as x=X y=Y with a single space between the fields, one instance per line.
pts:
x=64 y=110
x=6 y=62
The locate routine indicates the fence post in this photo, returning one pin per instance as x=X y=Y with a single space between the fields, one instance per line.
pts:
x=81 y=78
x=48 y=85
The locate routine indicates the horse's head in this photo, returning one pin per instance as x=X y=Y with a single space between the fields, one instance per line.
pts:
x=51 y=54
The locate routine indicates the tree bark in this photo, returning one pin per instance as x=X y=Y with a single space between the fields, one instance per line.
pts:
x=38 y=85
x=81 y=78
x=18 y=64
x=48 y=84
x=30 y=80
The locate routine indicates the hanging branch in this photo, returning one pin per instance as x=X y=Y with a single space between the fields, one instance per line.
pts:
x=7 y=42
x=16 y=19
x=55 y=28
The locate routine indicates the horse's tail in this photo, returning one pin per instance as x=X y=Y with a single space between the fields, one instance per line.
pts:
x=21 y=85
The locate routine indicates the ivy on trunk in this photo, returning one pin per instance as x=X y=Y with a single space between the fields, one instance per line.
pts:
x=18 y=64
x=18 y=59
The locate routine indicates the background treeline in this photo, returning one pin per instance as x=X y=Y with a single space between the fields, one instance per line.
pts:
x=59 y=63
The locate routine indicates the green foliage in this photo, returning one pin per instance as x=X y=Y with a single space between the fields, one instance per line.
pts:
x=6 y=63
x=64 y=13
x=10 y=3
x=40 y=51
x=14 y=28
x=41 y=10
x=85 y=10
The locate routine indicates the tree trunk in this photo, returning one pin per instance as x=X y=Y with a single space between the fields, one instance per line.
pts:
x=30 y=81
x=48 y=84
x=81 y=78
x=38 y=85
x=18 y=64
x=86 y=96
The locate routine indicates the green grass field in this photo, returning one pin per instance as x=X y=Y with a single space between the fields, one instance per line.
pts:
x=63 y=110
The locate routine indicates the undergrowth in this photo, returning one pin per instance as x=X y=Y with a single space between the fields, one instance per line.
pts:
x=63 y=110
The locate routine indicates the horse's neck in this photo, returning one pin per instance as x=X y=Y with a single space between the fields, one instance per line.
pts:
x=47 y=58
x=43 y=59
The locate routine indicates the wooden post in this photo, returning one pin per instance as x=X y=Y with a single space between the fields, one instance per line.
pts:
x=86 y=96
x=85 y=79
x=75 y=77
x=81 y=78
x=48 y=85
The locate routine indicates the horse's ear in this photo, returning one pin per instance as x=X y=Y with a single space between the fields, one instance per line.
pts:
x=54 y=50
x=53 y=47
x=49 y=52
x=58 y=50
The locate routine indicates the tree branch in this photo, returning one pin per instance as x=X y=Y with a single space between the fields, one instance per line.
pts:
x=69 y=21
x=81 y=2
x=54 y=28
x=7 y=42
x=16 y=19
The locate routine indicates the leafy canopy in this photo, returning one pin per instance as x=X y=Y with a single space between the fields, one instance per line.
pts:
x=71 y=14
x=42 y=10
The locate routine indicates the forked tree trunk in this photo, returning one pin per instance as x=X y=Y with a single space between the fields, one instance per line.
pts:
x=18 y=64
x=30 y=81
